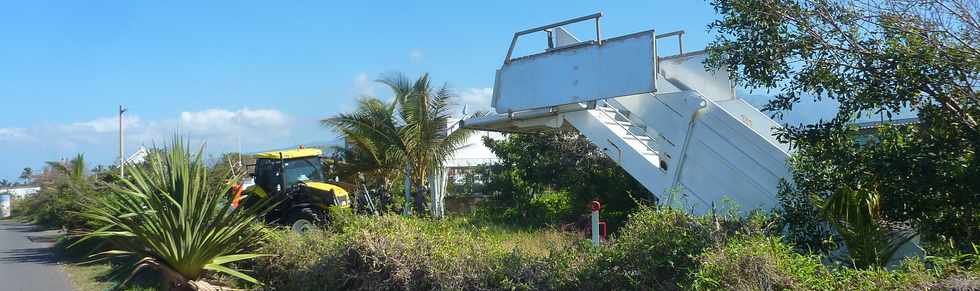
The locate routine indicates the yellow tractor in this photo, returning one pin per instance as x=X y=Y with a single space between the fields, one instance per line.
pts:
x=295 y=180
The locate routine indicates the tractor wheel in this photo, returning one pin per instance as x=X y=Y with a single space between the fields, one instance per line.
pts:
x=303 y=220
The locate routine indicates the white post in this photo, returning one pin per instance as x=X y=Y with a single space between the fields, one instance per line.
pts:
x=122 y=149
x=595 y=222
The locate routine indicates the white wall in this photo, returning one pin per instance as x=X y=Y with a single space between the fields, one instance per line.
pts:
x=21 y=192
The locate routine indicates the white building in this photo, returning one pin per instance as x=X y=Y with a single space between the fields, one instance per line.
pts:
x=20 y=192
x=461 y=165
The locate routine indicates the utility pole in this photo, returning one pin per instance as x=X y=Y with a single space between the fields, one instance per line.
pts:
x=122 y=157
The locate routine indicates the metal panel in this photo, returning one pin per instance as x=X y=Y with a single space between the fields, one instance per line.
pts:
x=687 y=70
x=618 y=67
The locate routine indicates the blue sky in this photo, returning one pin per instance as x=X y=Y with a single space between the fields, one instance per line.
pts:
x=264 y=70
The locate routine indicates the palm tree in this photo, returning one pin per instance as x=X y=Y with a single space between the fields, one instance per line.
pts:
x=26 y=175
x=409 y=134
x=73 y=169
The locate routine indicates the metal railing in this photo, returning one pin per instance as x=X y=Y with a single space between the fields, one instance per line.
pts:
x=629 y=132
x=598 y=32
x=680 y=39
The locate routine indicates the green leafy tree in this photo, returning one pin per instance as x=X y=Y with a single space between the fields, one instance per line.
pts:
x=535 y=166
x=870 y=57
x=166 y=215
x=409 y=134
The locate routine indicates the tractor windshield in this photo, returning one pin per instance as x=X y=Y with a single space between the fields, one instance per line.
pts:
x=304 y=169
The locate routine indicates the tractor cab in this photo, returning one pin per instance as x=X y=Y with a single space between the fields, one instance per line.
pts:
x=295 y=180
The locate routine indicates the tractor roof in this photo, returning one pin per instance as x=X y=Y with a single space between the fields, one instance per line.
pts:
x=289 y=154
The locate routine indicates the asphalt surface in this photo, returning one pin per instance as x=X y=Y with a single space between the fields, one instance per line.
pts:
x=27 y=261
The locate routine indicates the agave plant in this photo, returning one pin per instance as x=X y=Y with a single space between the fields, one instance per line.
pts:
x=165 y=216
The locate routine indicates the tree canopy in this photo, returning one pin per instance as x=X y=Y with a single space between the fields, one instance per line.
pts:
x=870 y=57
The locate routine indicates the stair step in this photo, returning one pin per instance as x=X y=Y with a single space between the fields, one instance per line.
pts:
x=610 y=108
x=623 y=123
x=638 y=137
x=606 y=108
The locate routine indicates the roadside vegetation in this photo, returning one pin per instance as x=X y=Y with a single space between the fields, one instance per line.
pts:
x=657 y=249
x=855 y=196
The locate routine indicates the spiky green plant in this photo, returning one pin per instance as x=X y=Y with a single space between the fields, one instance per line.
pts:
x=855 y=213
x=167 y=217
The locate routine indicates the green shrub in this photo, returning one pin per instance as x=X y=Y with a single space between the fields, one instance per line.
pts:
x=551 y=207
x=57 y=204
x=766 y=263
x=758 y=263
x=656 y=249
x=19 y=207
x=391 y=252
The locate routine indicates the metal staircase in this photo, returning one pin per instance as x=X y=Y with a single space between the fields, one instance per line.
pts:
x=631 y=130
x=678 y=129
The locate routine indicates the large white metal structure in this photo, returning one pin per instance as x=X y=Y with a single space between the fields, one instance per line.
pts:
x=675 y=127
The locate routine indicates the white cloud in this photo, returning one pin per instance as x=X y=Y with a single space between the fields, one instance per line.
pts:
x=476 y=99
x=415 y=56
x=363 y=85
x=102 y=125
x=13 y=134
x=220 y=123
x=220 y=128
x=223 y=130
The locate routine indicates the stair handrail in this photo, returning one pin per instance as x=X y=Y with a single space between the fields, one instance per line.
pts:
x=598 y=34
x=680 y=39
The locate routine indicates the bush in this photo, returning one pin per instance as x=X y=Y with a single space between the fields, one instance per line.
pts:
x=551 y=207
x=656 y=249
x=766 y=263
x=57 y=204
x=391 y=252
x=757 y=263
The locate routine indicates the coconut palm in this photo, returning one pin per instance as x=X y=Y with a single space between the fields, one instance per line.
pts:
x=166 y=216
x=409 y=134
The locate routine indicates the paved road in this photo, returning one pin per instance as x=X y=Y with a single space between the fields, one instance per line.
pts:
x=26 y=260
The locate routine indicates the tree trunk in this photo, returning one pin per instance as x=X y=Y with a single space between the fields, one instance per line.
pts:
x=420 y=199
x=407 y=210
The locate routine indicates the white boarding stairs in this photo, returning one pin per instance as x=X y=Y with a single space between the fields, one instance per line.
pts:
x=675 y=127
